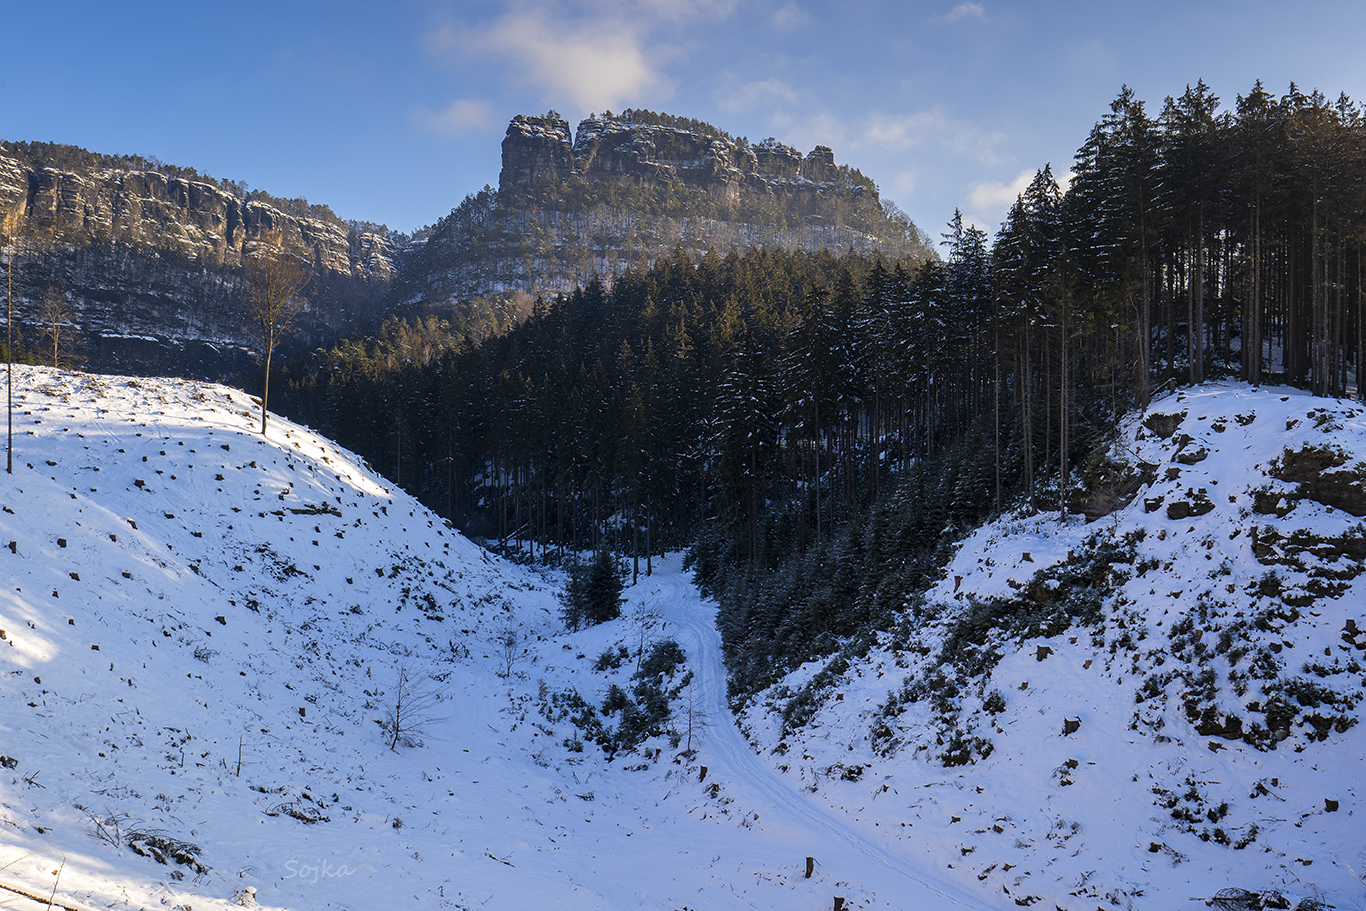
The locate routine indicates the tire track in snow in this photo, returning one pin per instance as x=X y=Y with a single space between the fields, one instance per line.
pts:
x=851 y=856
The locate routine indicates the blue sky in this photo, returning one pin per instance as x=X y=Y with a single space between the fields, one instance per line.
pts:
x=393 y=112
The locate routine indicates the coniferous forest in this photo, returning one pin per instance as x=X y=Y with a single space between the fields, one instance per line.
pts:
x=817 y=428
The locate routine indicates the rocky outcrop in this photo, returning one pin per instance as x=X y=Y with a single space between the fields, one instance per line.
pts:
x=149 y=262
x=148 y=256
x=537 y=150
x=196 y=219
x=651 y=151
x=624 y=189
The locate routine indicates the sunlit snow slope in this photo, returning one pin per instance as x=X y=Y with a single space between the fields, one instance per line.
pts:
x=203 y=633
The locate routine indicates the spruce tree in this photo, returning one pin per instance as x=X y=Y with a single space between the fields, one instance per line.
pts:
x=593 y=592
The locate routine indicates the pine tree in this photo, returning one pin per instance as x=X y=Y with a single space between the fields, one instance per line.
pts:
x=744 y=442
x=1193 y=180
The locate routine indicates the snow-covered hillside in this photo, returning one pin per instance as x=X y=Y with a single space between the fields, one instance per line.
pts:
x=204 y=638
x=1143 y=711
x=204 y=632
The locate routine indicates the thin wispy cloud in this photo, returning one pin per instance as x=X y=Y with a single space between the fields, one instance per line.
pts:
x=766 y=93
x=460 y=116
x=904 y=183
x=669 y=10
x=789 y=16
x=904 y=131
x=931 y=127
x=965 y=11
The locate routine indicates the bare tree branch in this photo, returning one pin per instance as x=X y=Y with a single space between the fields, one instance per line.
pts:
x=411 y=709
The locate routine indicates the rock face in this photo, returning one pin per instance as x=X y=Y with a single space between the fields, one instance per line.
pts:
x=656 y=151
x=537 y=150
x=148 y=256
x=638 y=185
x=149 y=262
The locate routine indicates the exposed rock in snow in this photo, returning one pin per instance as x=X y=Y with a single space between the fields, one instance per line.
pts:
x=1155 y=705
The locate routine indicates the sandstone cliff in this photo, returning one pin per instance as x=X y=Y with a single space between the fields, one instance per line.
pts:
x=653 y=150
x=148 y=256
x=149 y=261
x=624 y=187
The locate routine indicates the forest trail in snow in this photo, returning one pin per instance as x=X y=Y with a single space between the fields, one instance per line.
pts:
x=845 y=855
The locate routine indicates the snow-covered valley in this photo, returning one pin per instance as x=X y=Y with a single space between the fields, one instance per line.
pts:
x=206 y=634
x=203 y=636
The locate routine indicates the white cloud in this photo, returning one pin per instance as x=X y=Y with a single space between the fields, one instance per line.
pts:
x=457 y=117
x=989 y=201
x=789 y=16
x=995 y=197
x=584 y=64
x=965 y=11
x=582 y=55
x=988 y=230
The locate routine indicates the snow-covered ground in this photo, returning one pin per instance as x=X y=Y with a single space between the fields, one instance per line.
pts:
x=1144 y=728
x=203 y=637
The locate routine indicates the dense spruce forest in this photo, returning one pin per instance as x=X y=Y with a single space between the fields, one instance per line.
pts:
x=817 y=428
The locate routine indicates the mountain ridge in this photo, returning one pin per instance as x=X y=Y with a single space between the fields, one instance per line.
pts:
x=148 y=257
x=625 y=188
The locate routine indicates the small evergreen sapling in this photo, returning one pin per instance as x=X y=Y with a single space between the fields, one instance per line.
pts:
x=593 y=593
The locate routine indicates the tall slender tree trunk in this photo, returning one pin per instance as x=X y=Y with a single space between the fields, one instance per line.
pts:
x=996 y=421
x=1252 y=325
x=1294 y=329
x=1143 y=369
x=265 y=389
x=1173 y=268
x=1062 y=410
x=1318 y=315
x=1026 y=415
x=1361 y=327
x=1195 y=306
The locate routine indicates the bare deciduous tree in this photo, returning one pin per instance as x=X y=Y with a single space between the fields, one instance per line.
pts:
x=694 y=715
x=509 y=648
x=411 y=709
x=54 y=315
x=274 y=286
